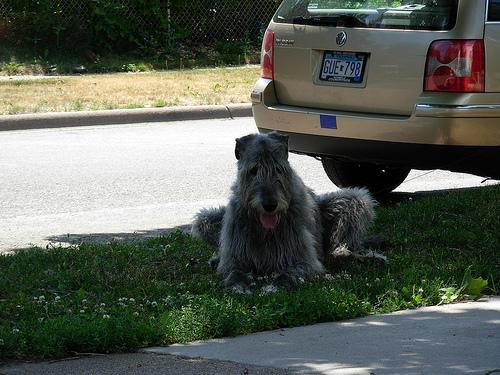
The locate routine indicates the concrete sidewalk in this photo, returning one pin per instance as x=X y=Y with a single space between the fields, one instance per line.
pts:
x=123 y=116
x=454 y=339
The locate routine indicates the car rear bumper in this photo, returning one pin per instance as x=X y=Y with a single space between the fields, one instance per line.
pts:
x=430 y=123
x=445 y=136
x=482 y=161
x=458 y=111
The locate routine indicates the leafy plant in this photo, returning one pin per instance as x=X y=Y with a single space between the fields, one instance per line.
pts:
x=473 y=287
x=12 y=68
x=132 y=67
x=450 y=294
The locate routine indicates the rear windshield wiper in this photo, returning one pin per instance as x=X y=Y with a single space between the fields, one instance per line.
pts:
x=337 y=20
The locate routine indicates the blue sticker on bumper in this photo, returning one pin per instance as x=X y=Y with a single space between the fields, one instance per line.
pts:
x=328 y=122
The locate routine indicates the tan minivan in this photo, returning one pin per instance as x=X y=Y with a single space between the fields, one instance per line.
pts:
x=378 y=87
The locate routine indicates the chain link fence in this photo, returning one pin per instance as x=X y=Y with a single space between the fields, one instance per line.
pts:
x=190 y=20
x=224 y=20
x=4 y=10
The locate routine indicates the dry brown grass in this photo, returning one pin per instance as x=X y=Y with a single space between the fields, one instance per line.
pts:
x=128 y=90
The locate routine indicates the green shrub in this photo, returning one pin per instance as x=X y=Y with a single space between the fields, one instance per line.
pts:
x=145 y=26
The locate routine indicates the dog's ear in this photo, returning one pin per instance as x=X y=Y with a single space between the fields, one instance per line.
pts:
x=282 y=140
x=280 y=137
x=238 y=149
x=241 y=144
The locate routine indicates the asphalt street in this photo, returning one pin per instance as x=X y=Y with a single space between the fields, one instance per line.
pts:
x=126 y=181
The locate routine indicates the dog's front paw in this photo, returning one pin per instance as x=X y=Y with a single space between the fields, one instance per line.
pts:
x=239 y=289
x=341 y=252
x=238 y=282
x=287 y=281
x=269 y=289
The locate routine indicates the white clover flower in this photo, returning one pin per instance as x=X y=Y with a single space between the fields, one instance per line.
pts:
x=345 y=275
x=84 y=301
x=131 y=300
x=82 y=311
x=15 y=330
x=268 y=289
x=106 y=316
x=41 y=298
x=57 y=298
x=102 y=304
x=136 y=313
x=19 y=307
x=154 y=304
x=167 y=299
x=35 y=298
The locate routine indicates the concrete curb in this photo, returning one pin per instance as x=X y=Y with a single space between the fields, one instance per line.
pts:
x=125 y=116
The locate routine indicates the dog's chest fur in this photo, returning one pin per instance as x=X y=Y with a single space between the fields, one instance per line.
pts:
x=265 y=252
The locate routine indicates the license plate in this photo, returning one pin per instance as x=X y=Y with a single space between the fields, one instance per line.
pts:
x=344 y=67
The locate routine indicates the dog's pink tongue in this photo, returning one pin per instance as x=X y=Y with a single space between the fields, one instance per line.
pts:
x=269 y=222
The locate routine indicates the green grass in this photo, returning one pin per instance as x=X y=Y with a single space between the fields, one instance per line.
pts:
x=121 y=296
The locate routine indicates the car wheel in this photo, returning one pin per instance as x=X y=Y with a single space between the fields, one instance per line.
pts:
x=378 y=179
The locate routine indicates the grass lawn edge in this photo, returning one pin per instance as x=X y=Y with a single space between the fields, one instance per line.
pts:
x=119 y=297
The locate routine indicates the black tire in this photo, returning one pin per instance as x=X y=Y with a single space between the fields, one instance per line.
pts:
x=376 y=178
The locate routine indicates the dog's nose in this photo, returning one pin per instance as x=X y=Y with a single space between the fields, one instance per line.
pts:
x=270 y=206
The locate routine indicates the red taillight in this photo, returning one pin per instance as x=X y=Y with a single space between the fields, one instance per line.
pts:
x=455 y=66
x=267 y=56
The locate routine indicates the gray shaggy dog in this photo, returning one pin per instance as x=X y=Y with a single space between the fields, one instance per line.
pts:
x=275 y=226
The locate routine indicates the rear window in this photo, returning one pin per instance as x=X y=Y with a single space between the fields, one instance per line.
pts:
x=494 y=12
x=383 y=14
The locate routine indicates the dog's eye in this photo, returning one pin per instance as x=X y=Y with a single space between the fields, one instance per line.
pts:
x=254 y=171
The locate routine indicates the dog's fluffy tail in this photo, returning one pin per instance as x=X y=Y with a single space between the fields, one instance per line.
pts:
x=346 y=215
x=207 y=225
